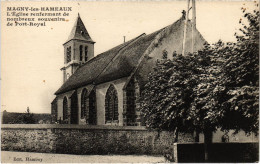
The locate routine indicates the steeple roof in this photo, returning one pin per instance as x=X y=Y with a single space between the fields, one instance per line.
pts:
x=79 y=31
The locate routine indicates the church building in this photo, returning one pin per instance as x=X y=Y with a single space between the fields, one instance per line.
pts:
x=105 y=89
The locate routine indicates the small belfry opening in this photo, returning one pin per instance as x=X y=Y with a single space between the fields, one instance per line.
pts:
x=68 y=55
x=80 y=52
x=86 y=53
x=111 y=105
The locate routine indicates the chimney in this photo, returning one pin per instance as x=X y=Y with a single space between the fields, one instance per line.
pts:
x=124 y=39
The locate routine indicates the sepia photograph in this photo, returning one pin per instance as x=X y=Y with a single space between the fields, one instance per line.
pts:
x=130 y=81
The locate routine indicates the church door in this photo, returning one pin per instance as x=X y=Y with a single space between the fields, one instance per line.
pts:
x=74 y=108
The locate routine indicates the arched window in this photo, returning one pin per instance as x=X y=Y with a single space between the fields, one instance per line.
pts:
x=86 y=53
x=83 y=103
x=68 y=54
x=111 y=104
x=65 y=108
x=80 y=52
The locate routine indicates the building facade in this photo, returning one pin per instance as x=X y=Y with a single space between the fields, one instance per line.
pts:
x=105 y=89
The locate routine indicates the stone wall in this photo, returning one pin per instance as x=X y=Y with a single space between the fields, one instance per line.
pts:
x=79 y=139
x=241 y=136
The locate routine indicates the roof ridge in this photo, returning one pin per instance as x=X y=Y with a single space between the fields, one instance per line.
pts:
x=123 y=60
x=149 y=50
x=98 y=56
x=103 y=53
x=130 y=42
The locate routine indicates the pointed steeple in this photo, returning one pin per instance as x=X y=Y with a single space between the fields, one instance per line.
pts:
x=79 y=31
x=78 y=49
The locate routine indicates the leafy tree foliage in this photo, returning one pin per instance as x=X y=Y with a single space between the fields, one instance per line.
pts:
x=242 y=78
x=216 y=87
x=28 y=117
x=168 y=93
x=19 y=118
x=176 y=91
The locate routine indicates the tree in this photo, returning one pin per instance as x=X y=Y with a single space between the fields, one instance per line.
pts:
x=216 y=87
x=242 y=78
x=177 y=93
x=28 y=117
x=206 y=109
x=167 y=96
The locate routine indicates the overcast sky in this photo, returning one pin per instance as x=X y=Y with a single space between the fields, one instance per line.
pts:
x=31 y=57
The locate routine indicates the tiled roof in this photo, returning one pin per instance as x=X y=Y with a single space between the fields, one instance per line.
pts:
x=117 y=62
x=126 y=60
x=88 y=72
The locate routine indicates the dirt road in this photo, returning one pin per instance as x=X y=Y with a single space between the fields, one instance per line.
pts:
x=28 y=157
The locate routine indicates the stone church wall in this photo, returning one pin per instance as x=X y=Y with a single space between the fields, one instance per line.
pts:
x=172 y=42
x=168 y=42
x=100 y=101
x=79 y=139
x=60 y=104
x=82 y=121
x=101 y=91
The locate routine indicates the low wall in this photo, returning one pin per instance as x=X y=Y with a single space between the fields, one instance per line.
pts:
x=218 y=152
x=82 y=139
x=241 y=136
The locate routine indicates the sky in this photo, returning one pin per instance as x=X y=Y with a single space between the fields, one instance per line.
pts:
x=31 y=57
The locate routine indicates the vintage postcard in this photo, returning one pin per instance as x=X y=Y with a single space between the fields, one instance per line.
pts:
x=129 y=81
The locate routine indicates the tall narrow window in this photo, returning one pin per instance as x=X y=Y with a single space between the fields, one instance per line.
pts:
x=68 y=54
x=111 y=104
x=65 y=108
x=86 y=53
x=83 y=103
x=80 y=52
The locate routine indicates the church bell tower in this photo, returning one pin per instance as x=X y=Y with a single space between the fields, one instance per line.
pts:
x=78 y=49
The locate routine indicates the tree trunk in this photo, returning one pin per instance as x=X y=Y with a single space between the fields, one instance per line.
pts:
x=197 y=136
x=207 y=142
